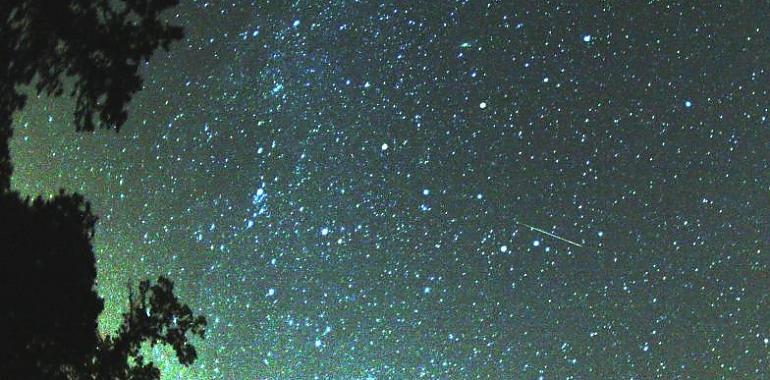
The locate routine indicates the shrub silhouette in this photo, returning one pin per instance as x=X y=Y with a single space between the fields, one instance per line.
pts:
x=48 y=320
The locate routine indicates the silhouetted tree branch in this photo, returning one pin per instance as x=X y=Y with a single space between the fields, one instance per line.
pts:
x=98 y=44
x=47 y=275
x=48 y=322
x=157 y=317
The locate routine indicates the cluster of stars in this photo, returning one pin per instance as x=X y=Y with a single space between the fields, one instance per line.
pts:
x=336 y=187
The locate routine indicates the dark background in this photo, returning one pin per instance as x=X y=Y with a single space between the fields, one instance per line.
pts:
x=638 y=131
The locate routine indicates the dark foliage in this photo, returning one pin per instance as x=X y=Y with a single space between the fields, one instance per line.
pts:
x=92 y=48
x=48 y=322
x=47 y=274
x=155 y=316
x=48 y=318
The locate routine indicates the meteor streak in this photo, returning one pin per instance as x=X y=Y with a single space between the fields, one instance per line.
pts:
x=533 y=228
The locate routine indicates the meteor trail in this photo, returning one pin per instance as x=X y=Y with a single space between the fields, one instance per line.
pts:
x=550 y=234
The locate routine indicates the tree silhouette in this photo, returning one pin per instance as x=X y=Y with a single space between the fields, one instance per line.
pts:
x=156 y=316
x=48 y=320
x=47 y=285
x=92 y=48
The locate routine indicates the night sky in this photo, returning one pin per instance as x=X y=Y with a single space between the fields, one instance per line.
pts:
x=346 y=189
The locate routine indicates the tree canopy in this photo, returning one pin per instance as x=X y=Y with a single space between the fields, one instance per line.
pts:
x=90 y=50
x=47 y=285
x=49 y=320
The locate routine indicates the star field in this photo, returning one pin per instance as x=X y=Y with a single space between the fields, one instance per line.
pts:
x=343 y=188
